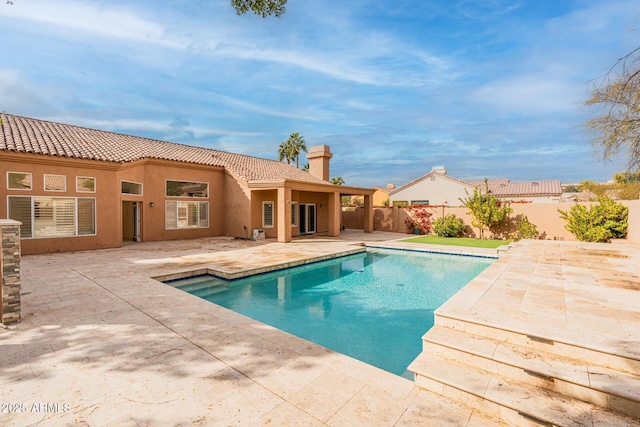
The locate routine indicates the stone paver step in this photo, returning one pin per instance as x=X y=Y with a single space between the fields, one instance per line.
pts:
x=521 y=362
x=615 y=390
x=514 y=402
x=597 y=356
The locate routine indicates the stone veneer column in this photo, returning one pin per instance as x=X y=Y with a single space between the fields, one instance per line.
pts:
x=10 y=266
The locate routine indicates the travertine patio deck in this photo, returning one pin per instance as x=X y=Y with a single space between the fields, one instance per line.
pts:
x=111 y=346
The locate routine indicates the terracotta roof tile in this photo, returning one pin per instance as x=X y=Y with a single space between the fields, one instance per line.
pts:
x=27 y=135
x=500 y=187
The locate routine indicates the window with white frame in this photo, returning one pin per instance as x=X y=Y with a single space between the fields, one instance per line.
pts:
x=85 y=184
x=18 y=180
x=267 y=214
x=55 y=182
x=180 y=214
x=294 y=214
x=129 y=187
x=53 y=216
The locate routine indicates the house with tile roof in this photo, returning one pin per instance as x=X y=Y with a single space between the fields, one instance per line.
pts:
x=75 y=188
x=438 y=188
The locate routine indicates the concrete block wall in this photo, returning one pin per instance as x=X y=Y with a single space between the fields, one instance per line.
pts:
x=544 y=215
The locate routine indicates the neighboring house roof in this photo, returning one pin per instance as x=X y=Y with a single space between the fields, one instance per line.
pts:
x=423 y=177
x=26 y=135
x=500 y=187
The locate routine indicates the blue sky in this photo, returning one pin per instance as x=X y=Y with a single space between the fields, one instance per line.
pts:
x=487 y=88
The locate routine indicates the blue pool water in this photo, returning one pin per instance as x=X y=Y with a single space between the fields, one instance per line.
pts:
x=374 y=306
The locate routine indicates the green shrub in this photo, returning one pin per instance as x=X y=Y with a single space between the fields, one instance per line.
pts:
x=525 y=229
x=606 y=220
x=448 y=226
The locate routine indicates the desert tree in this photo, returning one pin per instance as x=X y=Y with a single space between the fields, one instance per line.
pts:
x=487 y=211
x=615 y=99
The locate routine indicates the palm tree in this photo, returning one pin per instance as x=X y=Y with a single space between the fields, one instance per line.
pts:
x=298 y=145
x=285 y=152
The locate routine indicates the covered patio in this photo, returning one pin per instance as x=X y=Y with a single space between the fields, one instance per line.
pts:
x=325 y=199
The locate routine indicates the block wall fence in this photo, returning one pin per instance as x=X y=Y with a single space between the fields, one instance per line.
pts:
x=544 y=215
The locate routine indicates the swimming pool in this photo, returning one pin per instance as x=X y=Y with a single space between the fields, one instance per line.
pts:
x=373 y=306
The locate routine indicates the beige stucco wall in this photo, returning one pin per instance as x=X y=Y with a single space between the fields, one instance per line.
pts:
x=319 y=199
x=236 y=199
x=257 y=198
x=153 y=176
x=438 y=190
x=109 y=202
x=107 y=210
x=544 y=215
x=232 y=205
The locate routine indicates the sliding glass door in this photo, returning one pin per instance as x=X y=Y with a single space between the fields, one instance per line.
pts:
x=307 y=218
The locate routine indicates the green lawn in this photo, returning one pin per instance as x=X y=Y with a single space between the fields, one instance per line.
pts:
x=458 y=241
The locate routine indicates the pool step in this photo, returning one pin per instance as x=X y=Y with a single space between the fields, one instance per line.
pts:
x=204 y=289
x=580 y=379
x=513 y=402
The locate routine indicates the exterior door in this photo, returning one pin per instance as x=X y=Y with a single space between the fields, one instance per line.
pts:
x=137 y=206
x=307 y=218
x=131 y=212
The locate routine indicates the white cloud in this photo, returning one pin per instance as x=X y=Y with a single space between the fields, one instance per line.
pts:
x=109 y=21
x=18 y=95
x=530 y=94
x=486 y=9
x=364 y=60
x=156 y=126
x=305 y=114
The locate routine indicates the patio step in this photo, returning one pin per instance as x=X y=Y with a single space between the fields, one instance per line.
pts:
x=513 y=402
x=580 y=379
x=612 y=358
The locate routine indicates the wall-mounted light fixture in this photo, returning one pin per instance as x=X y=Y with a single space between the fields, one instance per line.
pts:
x=152 y=204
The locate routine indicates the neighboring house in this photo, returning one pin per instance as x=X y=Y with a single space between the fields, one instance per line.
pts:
x=380 y=197
x=75 y=188
x=437 y=188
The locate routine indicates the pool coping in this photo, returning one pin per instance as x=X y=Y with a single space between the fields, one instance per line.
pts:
x=361 y=247
x=254 y=271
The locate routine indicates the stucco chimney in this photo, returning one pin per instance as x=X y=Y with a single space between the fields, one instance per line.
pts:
x=319 y=157
x=439 y=169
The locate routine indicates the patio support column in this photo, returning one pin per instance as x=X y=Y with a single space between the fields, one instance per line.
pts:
x=284 y=214
x=10 y=270
x=368 y=213
x=335 y=214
